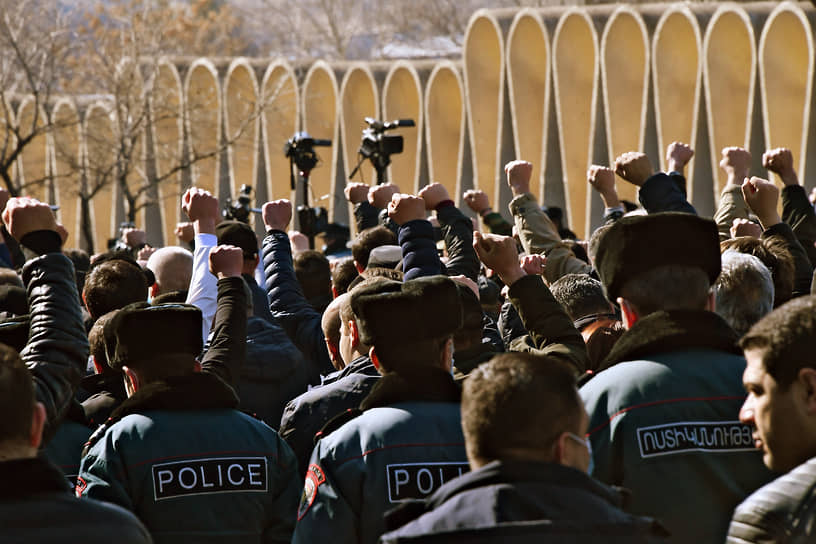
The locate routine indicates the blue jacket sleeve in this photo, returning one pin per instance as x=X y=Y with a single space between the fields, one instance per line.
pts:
x=457 y=231
x=290 y=308
x=419 y=256
x=660 y=193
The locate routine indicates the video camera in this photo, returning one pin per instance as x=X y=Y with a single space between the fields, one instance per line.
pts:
x=239 y=208
x=299 y=149
x=377 y=146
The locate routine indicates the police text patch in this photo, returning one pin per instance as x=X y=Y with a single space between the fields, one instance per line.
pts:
x=200 y=476
x=418 y=480
x=689 y=436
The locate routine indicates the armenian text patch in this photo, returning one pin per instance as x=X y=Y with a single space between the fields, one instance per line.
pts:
x=690 y=436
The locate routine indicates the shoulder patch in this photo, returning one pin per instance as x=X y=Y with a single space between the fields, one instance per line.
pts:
x=81 y=484
x=314 y=477
x=336 y=422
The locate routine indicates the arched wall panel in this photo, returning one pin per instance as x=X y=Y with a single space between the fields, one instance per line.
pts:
x=445 y=124
x=33 y=164
x=100 y=165
x=203 y=115
x=168 y=133
x=67 y=139
x=402 y=99
x=321 y=120
x=281 y=111
x=242 y=122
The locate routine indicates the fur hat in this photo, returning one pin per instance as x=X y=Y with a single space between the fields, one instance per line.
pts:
x=140 y=333
x=400 y=313
x=238 y=234
x=637 y=244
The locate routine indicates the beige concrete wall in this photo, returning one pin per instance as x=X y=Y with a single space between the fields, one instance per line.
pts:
x=279 y=122
x=203 y=115
x=321 y=114
x=98 y=133
x=242 y=123
x=402 y=99
x=445 y=125
x=66 y=153
x=33 y=161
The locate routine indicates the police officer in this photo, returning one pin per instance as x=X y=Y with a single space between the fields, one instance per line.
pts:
x=177 y=452
x=406 y=440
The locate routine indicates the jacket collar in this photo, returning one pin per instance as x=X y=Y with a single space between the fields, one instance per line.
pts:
x=673 y=330
x=198 y=391
x=419 y=384
x=466 y=360
x=30 y=476
x=111 y=383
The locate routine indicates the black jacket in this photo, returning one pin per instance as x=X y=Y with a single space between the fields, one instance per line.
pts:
x=490 y=505
x=107 y=391
x=36 y=505
x=305 y=415
x=274 y=371
x=781 y=511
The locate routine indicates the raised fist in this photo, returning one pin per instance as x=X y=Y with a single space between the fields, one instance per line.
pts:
x=477 y=201
x=277 y=214
x=762 y=196
x=635 y=167
x=744 y=227
x=299 y=241
x=434 y=194
x=185 y=232
x=404 y=208
x=601 y=178
x=735 y=162
x=380 y=195
x=499 y=253
x=678 y=155
x=780 y=162
x=24 y=215
x=356 y=192
x=518 y=176
x=133 y=237
x=226 y=261
x=200 y=205
x=533 y=264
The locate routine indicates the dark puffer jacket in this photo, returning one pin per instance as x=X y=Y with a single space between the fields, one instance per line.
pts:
x=274 y=371
x=36 y=505
x=488 y=505
x=781 y=511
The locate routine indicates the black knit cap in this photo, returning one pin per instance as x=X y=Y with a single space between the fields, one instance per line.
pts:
x=399 y=313
x=238 y=234
x=140 y=333
x=637 y=244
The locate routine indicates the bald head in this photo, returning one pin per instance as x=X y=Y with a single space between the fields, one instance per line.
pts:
x=173 y=268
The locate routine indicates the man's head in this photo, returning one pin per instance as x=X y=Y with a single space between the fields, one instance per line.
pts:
x=96 y=344
x=524 y=407
x=330 y=323
x=367 y=240
x=583 y=298
x=744 y=292
x=113 y=284
x=239 y=234
x=313 y=274
x=780 y=378
x=774 y=255
x=173 y=268
x=23 y=417
x=408 y=324
x=152 y=343
x=663 y=261
x=343 y=274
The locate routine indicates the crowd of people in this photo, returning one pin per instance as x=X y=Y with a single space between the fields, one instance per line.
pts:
x=445 y=380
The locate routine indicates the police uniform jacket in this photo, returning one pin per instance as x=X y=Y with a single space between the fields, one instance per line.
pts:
x=781 y=511
x=37 y=506
x=406 y=443
x=555 y=502
x=193 y=468
x=664 y=423
x=306 y=414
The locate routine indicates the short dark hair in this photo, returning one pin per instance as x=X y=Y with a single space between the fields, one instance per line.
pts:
x=518 y=400
x=96 y=342
x=113 y=284
x=775 y=255
x=580 y=295
x=667 y=287
x=368 y=239
x=787 y=339
x=82 y=262
x=343 y=274
x=16 y=397
x=313 y=273
x=376 y=272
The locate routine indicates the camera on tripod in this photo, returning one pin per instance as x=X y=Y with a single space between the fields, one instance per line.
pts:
x=239 y=209
x=377 y=146
x=299 y=149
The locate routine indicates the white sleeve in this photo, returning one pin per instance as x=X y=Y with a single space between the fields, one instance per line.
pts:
x=203 y=291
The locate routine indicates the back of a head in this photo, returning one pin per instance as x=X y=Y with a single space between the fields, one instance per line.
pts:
x=82 y=263
x=113 y=284
x=774 y=254
x=376 y=272
x=155 y=341
x=744 y=290
x=662 y=261
x=16 y=399
x=313 y=272
x=10 y=277
x=367 y=240
x=238 y=234
x=787 y=339
x=173 y=268
x=343 y=274
x=97 y=343
x=580 y=295
x=509 y=395
x=407 y=323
